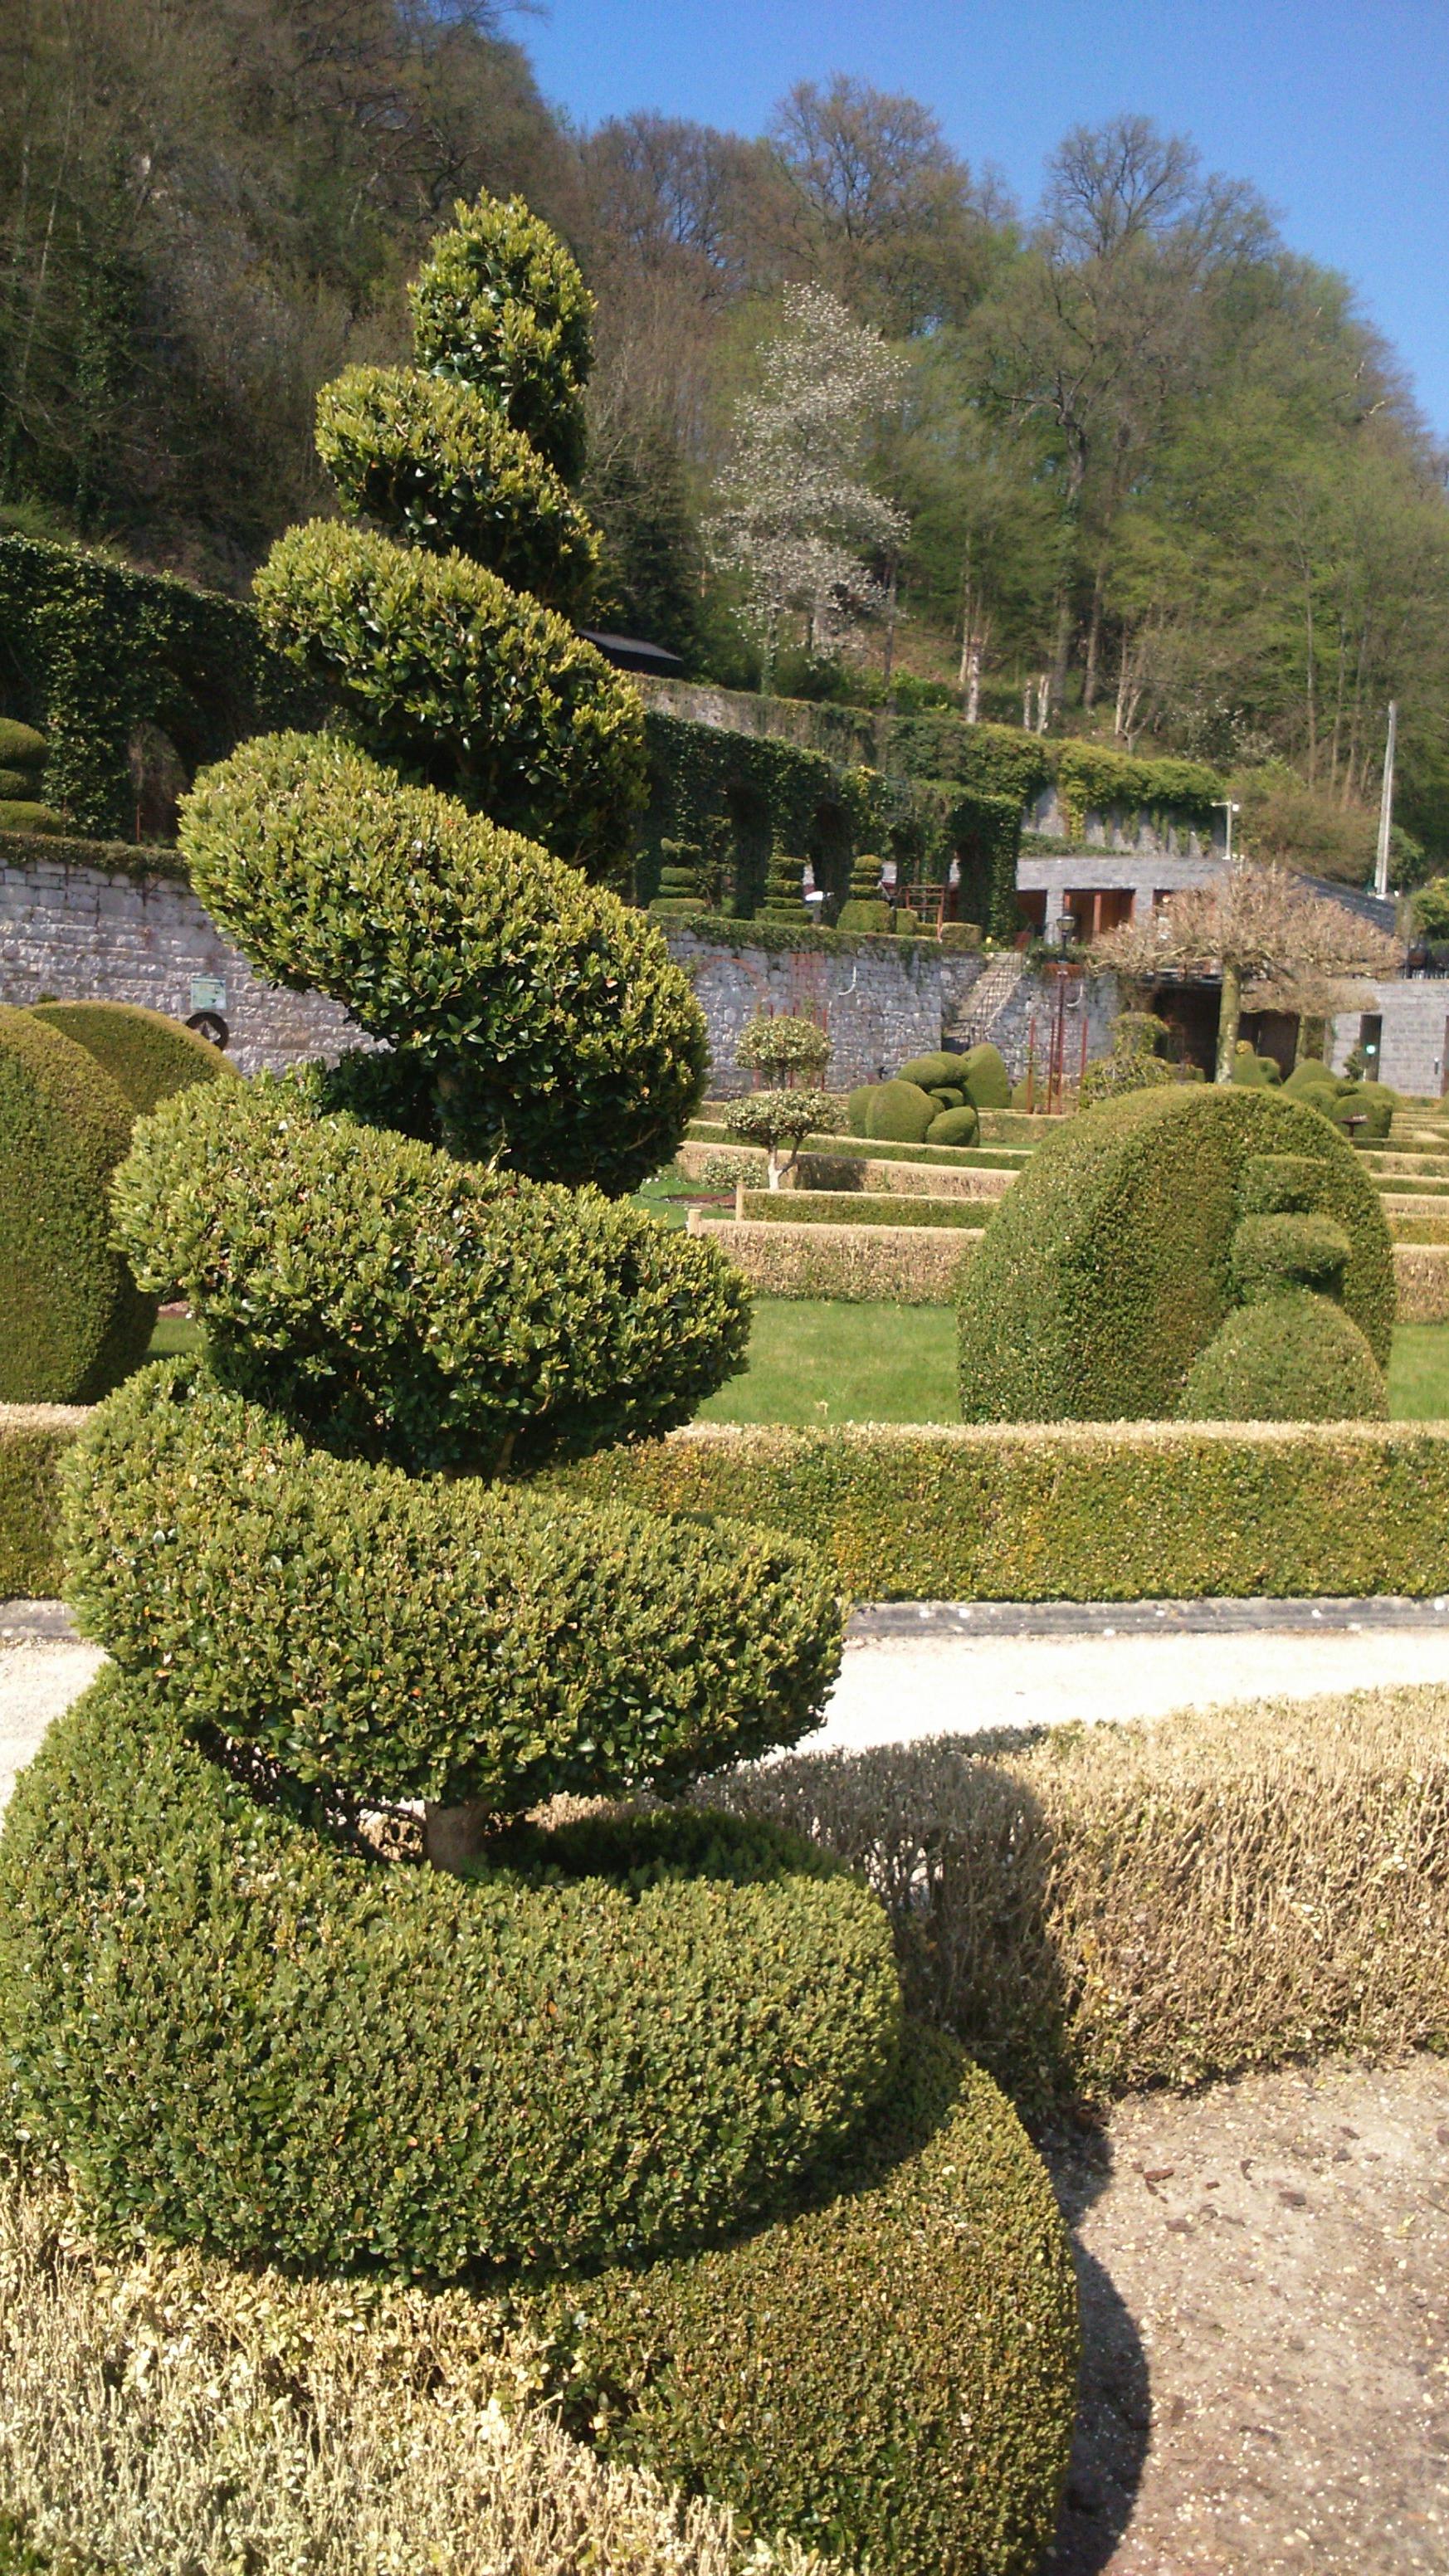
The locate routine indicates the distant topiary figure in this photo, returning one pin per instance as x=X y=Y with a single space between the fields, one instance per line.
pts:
x=785 y=890
x=22 y=792
x=678 y=880
x=289 y=1964
x=1134 y=1063
x=865 y=907
x=1134 y=1233
x=72 y=1319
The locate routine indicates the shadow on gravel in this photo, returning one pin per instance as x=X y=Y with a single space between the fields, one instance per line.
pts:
x=1114 y=2401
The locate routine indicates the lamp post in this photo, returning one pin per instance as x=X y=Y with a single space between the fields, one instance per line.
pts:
x=1230 y=809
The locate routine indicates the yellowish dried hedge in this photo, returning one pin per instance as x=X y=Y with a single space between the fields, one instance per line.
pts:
x=1105 y=1908
x=1108 y=1511
x=910 y=1265
x=32 y=1437
x=1421 y=1273
x=165 y=2412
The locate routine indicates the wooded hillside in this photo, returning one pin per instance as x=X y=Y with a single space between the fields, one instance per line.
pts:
x=1131 y=465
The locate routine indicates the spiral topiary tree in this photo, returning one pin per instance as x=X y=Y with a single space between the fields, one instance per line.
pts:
x=289 y=1964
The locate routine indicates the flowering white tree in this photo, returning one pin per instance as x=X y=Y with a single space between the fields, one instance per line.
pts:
x=797 y=515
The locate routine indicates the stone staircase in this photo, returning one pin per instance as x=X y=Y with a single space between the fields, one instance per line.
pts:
x=971 y=1022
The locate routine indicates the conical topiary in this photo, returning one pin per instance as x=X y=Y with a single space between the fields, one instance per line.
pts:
x=784 y=889
x=354 y=1628
x=678 y=880
x=865 y=908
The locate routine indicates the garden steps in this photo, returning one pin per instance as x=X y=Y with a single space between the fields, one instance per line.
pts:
x=972 y=1022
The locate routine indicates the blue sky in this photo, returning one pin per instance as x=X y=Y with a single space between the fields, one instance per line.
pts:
x=1339 y=112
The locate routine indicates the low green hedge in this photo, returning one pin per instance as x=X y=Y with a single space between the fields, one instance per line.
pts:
x=416 y=1637
x=1072 y=1511
x=242 y=2032
x=141 y=861
x=32 y=1440
x=863 y=1265
x=861 y=1207
x=863 y=1149
x=889 y=2377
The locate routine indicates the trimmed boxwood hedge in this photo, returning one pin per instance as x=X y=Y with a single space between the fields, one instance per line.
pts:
x=400 y=1304
x=415 y=1638
x=1107 y=1269
x=1071 y=1511
x=33 y=1439
x=890 y=2377
x=864 y=1265
x=148 y=1055
x=72 y=1319
x=244 y=2034
x=861 y=1207
x=1288 y=1357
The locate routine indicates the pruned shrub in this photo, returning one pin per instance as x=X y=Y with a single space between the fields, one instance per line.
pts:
x=1288 y=1357
x=1271 y=1253
x=1107 y=1269
x=983 y=1071
x=148 y=1055
x=414 y=1637
x=899 y=1112
x=953 y=1127
x=852 y=1207
x=889 y=2376
x=546 y=1016
x=500 y=305
x=398 y=1304
x=491 y=695
x=72 y=1319
x=930 y=1072
x=264 y=2042
x=33 y=1439
x=912 y=1265
x=1278 y=1184
x=781 y=1121
x=436 y=463
x=782 y=1048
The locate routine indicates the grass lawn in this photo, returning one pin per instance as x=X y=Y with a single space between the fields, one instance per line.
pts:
x=824 y=1361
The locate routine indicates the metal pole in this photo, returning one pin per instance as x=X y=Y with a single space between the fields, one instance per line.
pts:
x=1386 y=804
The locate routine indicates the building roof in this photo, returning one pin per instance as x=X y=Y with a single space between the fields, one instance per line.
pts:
x=632 y=653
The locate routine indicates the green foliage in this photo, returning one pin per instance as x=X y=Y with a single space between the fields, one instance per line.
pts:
x=988 y=1084
x=931 y=1072
x=147 y=1055
x=779 y=1046
x=680 y=892
x=1108 y=1077
x=948 y=1096
x=1278 y=1185
x=21 y=747
x=32 y=1442
x=899 y=1112
x=19 y=816
x=1287 y=1250
x=1288 y=1357
x=418 y=1637
x=994 y=760
x=436 y=465
x=784 y=889
x=1429 y=909
x=774 y=794
x=1106 y=1511
x=873 y=920
x=782 y=1118
x=100 y=650
x=72 y=1319
x=399 y=1304
x=1258 y=1072
x=953 y=1127
x=471 y=684
x=249 y=2035
x=1106 y=1269
x=499 y=305
x=548 y=1014
x=1137 y=1033
x=889 y=2377
x=861 y=1207
x=1093 y=779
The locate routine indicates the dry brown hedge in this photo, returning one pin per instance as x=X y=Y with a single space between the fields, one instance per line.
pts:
x=1101 y=1909
x=906 y=1264
x=165 y=2415
x=1421 y=1273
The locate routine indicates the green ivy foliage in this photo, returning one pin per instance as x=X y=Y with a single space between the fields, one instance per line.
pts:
x=414 y=1637
x=465 y=682
x=501 y=306
x=247 y=2035
x=551 y=1020
x=435 y=464
x=399 y=1304
x=72 y=1319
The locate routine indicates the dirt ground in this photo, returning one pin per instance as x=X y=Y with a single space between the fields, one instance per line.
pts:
x=1265 y=2284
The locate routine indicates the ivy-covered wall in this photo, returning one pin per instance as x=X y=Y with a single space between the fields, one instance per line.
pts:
x=92 y=652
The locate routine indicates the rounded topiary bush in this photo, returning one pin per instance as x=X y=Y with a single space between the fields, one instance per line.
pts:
x=398 y=1304
x=930 y=1072
x=1271 y=1253
x=545 y=1017
x=899 y=1113
x=954 y=1127
x=1107 y=1267
x=890 y=2376
x=415 y=1638
x=251 y=2036
x=983 y=1071
x=145 y=1053
x=1292 y=1357
x=72 y=1319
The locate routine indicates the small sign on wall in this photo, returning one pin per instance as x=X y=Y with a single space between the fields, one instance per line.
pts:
x=208 y=993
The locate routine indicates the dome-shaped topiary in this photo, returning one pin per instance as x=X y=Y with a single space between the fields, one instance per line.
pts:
x=1293 y=1357
x=72 y=1319
x=1107 y=1268
x=149 y=1056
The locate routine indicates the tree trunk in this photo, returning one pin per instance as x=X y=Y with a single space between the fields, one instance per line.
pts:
x=452 y=1836
x=1230 y=1011
x=973 y=685
x=774 y=1167
x=1094 y=642
x=1044 y=701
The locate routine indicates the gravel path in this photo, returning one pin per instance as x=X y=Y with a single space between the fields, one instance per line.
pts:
x=37 y=1683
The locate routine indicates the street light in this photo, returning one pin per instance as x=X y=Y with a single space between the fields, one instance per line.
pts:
x=1230 y=809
